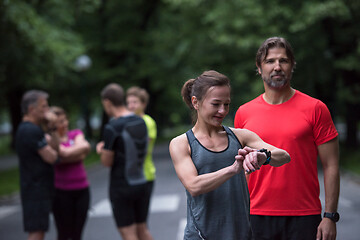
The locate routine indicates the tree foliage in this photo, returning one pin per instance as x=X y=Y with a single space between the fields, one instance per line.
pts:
x=159 y=44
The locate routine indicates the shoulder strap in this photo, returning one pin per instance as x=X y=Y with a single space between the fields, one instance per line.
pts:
x=190 y=136
x=231 y=133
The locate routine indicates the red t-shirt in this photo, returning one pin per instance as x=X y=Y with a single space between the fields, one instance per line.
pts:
x=297 y=126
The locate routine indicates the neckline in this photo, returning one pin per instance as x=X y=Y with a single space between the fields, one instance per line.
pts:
x=280 y=104
x=226 y=148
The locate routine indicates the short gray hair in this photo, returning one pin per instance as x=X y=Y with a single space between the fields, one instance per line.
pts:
x=30 y=98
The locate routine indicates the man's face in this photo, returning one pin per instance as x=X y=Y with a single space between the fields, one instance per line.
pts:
x=134 y=104
x=39 y=109
x=106 y=105
x=276 y=69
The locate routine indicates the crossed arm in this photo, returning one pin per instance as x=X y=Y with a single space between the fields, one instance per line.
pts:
x=76 y=152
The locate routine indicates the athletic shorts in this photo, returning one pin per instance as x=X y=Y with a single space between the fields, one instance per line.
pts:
x=36 y=214
x=131 y=204
x=284 y=227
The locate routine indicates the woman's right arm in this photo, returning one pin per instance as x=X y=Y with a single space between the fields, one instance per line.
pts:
x=76 y=152
x=186 y=171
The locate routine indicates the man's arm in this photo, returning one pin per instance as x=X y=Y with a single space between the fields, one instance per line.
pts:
x=106 y=156
x=329 y=157
x=49 y=153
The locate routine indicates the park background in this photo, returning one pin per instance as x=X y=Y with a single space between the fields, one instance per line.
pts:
x=73 y=48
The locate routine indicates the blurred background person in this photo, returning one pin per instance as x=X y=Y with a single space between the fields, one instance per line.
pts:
x=137 y=100
x=123 y=149
x=36 y=154
x=72 y=195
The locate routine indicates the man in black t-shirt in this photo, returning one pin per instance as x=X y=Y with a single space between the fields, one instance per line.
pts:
x=36 y=155
x=124 y=149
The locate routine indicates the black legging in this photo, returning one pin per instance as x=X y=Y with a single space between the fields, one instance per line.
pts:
x=70 y=212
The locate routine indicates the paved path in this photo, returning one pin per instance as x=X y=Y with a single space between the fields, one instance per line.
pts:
x=168 y=206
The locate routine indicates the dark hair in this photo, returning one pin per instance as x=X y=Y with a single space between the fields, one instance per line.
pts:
x=58 y=110
x=140 y=93
x=30 y=98
x=198 y=87
x=114 y=93
x=274 y=42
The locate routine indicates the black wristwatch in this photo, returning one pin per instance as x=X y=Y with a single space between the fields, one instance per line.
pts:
x=334 y=216
x=268 y=155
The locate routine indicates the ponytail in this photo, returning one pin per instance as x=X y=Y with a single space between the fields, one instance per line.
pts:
x=186 y=92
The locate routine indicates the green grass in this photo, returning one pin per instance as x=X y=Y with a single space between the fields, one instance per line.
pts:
x=9 y=179
x=92 y=158
x=5 y=149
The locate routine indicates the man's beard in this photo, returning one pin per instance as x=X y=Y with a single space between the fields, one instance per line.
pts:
x=279 y=83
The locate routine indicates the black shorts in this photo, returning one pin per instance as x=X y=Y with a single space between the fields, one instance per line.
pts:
x=284 y=227
x=131 y=205
x=36 y=214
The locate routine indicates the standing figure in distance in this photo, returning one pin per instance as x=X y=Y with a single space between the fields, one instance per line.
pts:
x=136 y=100
x=123 y=150
x=37 y=155
x=72 y=195
x=285 y=201
x=210 y=160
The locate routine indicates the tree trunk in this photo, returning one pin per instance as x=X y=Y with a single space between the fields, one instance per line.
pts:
x=13 y=97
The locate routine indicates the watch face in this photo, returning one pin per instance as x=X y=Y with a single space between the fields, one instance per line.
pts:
x=336 y=216
x=333 y=216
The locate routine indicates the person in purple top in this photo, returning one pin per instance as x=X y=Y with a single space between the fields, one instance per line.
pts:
x=72 y=195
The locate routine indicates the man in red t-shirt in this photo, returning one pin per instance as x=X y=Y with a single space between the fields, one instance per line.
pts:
x=284 y=201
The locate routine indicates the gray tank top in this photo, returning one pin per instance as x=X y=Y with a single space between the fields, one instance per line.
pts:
x=223 y=213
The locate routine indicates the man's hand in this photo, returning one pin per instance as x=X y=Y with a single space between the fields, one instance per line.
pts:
x=54 y=140
x=99 y=147
x=50 y=121
x=326 y=230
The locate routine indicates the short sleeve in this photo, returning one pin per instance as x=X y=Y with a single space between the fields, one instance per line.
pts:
x=73 y=133
x=35 y=137
x=109 y=137
x=324 y=129
x=151 y=126
x=237 y=120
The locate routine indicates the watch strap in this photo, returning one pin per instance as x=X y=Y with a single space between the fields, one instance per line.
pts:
x=334 y=216
x=268 y=155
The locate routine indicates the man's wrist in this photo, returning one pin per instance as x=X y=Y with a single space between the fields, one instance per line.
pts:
x=334 y=216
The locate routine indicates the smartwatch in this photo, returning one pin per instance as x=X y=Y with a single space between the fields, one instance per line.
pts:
x=268 y=155
x=334 y=216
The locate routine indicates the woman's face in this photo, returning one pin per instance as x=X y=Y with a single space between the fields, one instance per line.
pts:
x=62 y=124
x=215 y=105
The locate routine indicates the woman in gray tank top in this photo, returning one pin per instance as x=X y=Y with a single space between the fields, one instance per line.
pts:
x=210 y=160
